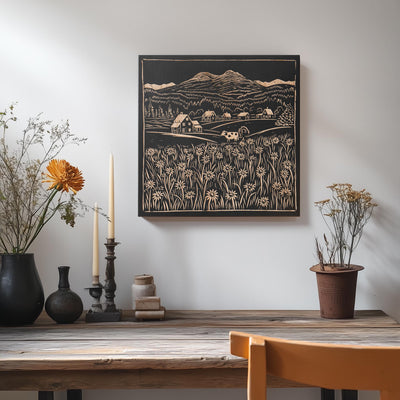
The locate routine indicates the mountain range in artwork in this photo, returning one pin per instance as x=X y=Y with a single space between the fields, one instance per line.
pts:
x=230 y=92
x=218 y=143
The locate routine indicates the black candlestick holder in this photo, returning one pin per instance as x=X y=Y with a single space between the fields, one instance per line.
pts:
x=95 y=291
x=107 y=312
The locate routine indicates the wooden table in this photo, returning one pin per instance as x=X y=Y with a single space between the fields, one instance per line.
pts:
x=190 y=349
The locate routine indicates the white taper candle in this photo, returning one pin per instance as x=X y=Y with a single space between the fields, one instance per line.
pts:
x=95 y=258
x=111 y=227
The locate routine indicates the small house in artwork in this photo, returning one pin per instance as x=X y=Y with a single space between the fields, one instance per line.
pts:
x=244 y=115
x=266 y=114
x=226 y=116
x=209 y=116
x=197 y=127
x=182 y=124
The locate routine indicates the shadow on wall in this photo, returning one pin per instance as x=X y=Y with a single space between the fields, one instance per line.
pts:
x=171 y=272
x=384 y=278
x=304 y=145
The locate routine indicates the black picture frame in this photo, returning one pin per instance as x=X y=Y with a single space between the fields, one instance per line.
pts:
x=219 y=135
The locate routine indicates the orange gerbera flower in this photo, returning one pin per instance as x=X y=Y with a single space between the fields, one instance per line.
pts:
x=63 y=176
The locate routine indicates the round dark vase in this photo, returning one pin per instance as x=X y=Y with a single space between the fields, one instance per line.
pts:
x=21 y=291
x=64 y=306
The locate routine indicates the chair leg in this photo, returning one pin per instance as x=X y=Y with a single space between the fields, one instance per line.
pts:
x=42 y=395
x=349 y=395
x=327 y=394
x=74 y=394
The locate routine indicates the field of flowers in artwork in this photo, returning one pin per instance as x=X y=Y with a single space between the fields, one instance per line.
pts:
x=255 y=173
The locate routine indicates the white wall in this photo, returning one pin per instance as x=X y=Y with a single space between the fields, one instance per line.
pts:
x=77 y=60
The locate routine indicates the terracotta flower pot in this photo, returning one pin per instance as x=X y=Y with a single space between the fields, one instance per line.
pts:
x=337 y=290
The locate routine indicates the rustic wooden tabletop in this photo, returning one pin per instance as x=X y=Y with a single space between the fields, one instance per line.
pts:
x=188 y=349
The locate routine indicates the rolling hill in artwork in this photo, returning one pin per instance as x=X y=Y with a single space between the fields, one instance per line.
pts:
x=229 y=92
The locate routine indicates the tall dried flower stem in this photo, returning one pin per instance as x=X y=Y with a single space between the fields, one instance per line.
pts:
x=345 y=214
x=25 y=206
x=42 y=220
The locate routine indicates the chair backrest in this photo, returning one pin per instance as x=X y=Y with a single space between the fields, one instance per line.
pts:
x=316 y=364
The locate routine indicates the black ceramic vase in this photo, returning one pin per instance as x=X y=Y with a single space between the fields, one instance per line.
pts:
x=64 y=305
x=21 y=291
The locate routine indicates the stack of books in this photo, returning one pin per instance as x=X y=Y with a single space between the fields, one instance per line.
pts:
x=149 y=307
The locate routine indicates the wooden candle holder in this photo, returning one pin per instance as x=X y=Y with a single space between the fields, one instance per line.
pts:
x=108 y=312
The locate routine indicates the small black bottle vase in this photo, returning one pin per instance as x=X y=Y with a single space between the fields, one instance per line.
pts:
x=64 y=306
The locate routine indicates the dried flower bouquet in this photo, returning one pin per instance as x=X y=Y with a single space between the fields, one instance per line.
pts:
x=345 y=214
x=25 y=205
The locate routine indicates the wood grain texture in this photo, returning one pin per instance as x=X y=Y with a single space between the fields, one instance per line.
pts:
x=189 y=349
x=147 y=303
x=140 y=379
x=231 y=318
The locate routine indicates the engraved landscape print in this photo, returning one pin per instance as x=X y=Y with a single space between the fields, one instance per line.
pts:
x=218 y=135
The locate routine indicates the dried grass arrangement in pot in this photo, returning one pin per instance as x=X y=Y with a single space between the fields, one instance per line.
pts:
x=27 y=205
x=345 y=213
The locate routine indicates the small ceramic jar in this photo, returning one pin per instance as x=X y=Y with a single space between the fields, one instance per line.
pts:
x=143 y=286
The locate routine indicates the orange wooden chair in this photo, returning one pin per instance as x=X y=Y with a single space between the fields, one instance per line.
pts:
x=321 y=365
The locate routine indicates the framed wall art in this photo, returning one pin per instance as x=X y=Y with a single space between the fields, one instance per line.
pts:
x=219 y=136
